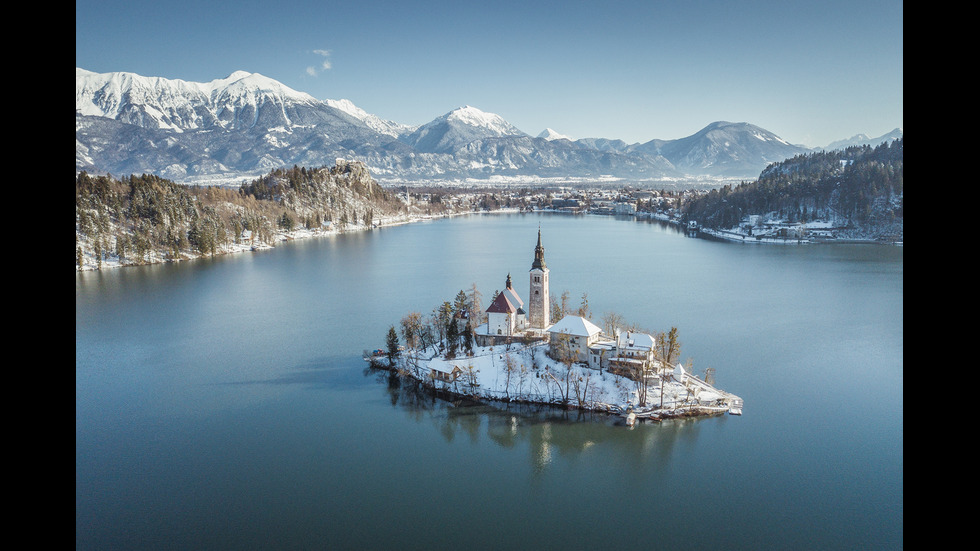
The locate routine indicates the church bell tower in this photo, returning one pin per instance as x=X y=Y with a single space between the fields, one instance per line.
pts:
x=539 y=303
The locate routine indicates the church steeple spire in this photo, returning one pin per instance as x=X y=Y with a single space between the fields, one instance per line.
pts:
x=539 y=302
x=538 y=254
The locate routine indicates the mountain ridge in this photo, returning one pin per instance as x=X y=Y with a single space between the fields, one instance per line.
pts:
x=245 y=124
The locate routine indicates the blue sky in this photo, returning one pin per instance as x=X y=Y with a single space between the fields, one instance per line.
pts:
x=811 y=72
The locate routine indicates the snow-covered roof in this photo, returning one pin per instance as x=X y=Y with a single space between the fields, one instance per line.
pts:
x=631 y=339
x=513 y=297
x=575 y=325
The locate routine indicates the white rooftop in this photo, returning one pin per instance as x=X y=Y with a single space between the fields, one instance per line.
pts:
x=575 y=325
x=636 y=340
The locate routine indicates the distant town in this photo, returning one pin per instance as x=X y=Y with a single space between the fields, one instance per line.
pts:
x=664 y=205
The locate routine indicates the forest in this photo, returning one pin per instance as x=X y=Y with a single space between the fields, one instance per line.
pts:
x=146 y=218
x=856 y=186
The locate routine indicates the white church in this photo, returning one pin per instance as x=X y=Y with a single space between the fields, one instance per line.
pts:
x=510 y=319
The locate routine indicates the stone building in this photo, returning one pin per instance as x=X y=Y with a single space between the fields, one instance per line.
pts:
x=539 y=301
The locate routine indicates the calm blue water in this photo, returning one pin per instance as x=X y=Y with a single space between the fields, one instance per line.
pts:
x=223 y=404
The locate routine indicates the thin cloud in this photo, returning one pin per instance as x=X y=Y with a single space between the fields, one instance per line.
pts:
x=313 y=70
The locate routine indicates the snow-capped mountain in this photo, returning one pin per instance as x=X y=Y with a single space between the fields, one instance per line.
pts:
x=237 y=101
x=458 y=128
x=864 y=139
x=246 y=124
x=605 y=144
x=550 y=134
x=724 y=149
x=375 y=122
x=243 y=124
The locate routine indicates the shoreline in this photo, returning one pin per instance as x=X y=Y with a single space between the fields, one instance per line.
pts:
x=612 y=394
x=111 y=261
x=731 y=236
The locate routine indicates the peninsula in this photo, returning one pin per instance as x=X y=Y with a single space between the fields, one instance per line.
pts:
x=512 y=352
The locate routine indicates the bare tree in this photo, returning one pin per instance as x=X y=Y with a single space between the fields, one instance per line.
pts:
x=509 y=368
x=470 y=374
x=640 y=372
x=410 y=328
x=523 y=374
x=584 y=388
x=559 y=308
x=473 y=305
x=583 y=309
x=561 y=351
x=666 y=350
x=611 y=321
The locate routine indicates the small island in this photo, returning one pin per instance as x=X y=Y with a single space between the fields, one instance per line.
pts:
x=512 y=352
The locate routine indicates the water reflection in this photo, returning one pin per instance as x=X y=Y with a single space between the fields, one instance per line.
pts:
x=546 y=432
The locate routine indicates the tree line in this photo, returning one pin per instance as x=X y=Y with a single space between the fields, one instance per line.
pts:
x=144 y=218
x=861 y=185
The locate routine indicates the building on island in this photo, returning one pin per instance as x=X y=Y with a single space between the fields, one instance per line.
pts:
x=538 y=298
x=633 y=352
x=511 y=319
x=507 y=319
x=572 y=337
x=444 y=374
x=580 y=340
x=506 y=316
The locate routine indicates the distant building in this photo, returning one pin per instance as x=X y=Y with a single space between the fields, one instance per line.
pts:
x=624 y=207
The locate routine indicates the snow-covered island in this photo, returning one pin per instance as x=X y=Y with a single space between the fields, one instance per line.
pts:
x=511 y=352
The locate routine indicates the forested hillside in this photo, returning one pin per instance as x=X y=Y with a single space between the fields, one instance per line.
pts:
x=858 y=187
x=145 y=219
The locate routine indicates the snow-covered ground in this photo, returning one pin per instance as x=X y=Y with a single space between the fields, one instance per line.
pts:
x=816 y=231
x=526 y=373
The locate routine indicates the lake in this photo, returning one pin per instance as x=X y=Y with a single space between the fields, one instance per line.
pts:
x=223 y=403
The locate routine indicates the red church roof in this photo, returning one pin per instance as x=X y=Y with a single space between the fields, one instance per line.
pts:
x=502 y=306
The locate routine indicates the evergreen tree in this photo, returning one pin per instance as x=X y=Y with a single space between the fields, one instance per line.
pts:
x=452 y=338
x=392 y=345
x=460 y=302
x=468 y=340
